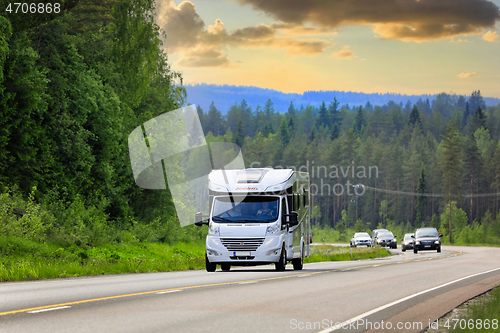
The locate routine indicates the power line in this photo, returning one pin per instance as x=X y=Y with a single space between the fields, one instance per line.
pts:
x=437 y=195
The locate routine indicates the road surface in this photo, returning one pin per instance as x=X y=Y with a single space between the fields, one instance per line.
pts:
x=404 y=292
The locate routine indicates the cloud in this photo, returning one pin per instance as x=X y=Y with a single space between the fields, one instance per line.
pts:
x=490 y=36
x=344 y=53
x=204 y=47
x=182 y=24
x=466 y=75
x=408 y=20
x=204 y=58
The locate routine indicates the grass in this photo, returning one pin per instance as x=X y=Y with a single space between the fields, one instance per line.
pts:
x=332 y=253
x=24 y=260
x=480 y=317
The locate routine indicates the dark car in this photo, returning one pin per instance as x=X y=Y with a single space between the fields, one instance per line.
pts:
x=375 y=232
x=386 y=239
x=407 y=242
x=427 y=239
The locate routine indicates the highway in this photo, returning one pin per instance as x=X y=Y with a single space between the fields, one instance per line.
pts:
x=404 y=292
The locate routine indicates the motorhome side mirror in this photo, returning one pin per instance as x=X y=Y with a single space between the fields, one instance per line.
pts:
x=294 y=218
x=198 y=220
x=412 y=236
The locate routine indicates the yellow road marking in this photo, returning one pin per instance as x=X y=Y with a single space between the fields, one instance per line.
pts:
x=209 y=285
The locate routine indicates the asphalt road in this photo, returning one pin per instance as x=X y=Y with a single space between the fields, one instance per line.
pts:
x=405 y=292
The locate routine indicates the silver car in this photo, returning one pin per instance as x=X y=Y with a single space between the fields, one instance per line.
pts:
x=361 y=238
x=407 y=242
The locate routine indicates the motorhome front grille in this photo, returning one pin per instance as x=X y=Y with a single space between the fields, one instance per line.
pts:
x=242 y=244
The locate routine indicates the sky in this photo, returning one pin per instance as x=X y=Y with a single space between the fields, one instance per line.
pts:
x=371 y=46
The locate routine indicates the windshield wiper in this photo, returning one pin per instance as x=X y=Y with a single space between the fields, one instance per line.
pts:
x=253 y=221
x=222 y=218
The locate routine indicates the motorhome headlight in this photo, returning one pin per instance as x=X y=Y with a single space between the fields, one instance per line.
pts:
x=214 y=229
x=273 y=228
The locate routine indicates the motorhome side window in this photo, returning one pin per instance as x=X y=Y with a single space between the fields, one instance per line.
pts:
x=289 y=198
x=245 y=209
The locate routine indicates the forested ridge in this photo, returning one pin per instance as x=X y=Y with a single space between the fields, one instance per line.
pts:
x=417 y=162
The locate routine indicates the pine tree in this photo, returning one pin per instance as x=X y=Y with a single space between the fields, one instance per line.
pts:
x=451 y=166
x=360 y=120
x=284 y=135
x=322 y=119
x=421 y=205
x=239 y=134
x=414 y=118
x=333 y=111
x=476 y=100
x=466 y=115
x=473 y=170
x=335 y=132
x=214 y=120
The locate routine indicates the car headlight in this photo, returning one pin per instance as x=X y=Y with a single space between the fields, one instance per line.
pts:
x=417 y=243
x=436 y=242
x=273 y=228
x=214 y=229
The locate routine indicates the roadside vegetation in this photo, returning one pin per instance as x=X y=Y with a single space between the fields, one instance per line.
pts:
x=482 y=316
x=335 y=253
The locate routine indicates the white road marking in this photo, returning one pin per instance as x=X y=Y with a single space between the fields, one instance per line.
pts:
x=168 y=291
x=366 y=314
x=50 y=309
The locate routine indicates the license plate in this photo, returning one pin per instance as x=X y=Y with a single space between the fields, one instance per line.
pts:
x=427 y=246
x=241 y=253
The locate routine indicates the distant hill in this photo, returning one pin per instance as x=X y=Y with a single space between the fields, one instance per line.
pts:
x=226 y=96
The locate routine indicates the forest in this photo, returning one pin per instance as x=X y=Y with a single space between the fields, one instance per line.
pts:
x=75 y=83
x=396 y=166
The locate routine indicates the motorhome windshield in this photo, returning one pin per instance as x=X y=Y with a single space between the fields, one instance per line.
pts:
x=251 y=209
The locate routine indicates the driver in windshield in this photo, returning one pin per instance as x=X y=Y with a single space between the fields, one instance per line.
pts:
x=265 y=210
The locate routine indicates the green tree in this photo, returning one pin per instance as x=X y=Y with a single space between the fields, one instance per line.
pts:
x=414 y=118
x=421 y=205
x=451 y=162
x=239 y=135
x=323 y=118
x=284 y=135
x=473 y=170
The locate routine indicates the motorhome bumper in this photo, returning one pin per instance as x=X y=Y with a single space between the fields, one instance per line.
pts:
x=219 y=251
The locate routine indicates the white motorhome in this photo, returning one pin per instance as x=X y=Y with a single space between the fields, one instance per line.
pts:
x=257 y=216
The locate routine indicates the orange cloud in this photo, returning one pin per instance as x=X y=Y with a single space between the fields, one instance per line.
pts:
x=204 y=47
x=344 y=53
x=490 y=36
x=466 y=75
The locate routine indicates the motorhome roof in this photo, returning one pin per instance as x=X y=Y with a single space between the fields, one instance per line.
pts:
x=251 y=180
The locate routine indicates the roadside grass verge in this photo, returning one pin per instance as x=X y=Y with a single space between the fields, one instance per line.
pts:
x=24 y=260
x=336 y=253
x=481 y=316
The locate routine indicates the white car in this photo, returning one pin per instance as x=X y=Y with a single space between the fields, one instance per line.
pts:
x=361 y=238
